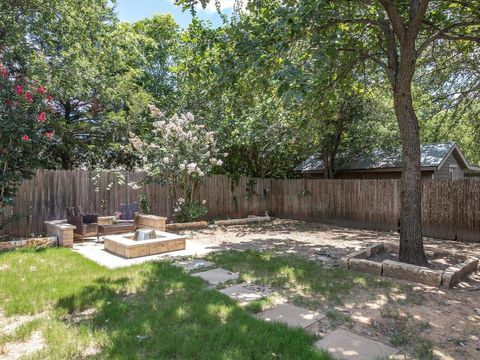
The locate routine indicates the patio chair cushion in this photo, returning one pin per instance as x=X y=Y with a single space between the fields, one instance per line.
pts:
x=128 y=211
x=90 y=218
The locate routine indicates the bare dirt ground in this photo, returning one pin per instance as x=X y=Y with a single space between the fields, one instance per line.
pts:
x=16 y=349
x=448 y=319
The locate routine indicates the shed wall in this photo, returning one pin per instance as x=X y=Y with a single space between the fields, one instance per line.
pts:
x=443 y=171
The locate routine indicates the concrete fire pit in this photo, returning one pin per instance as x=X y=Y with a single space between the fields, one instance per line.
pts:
x=151 y=242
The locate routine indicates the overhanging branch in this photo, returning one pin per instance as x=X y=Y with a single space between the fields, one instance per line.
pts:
x=446 y=34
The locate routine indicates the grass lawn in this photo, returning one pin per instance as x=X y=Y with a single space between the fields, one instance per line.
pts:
x=157 y=311
x=151 y=311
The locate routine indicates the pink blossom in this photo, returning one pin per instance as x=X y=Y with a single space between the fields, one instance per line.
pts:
x=29 y=96
x=42 y=117
x=7 y=102
x=25 y=138
x=41 y=90
x=49 y=97
x=49 y=134
x=19 y=90
x=3 y=72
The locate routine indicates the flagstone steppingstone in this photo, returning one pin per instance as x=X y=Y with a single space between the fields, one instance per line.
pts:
x=190 y=265
x=245 y=293
x=217 y=276
x=346 y=345
x=291 y=315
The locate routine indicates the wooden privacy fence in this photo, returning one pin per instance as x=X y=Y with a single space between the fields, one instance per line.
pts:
x=450 y=209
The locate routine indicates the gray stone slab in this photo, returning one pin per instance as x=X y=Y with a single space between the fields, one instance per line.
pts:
x=346 y=345
x=245 y=293
x=419 y=274
x=291 y=315
x=195 y=264
x=217 y=276
x=367 y=266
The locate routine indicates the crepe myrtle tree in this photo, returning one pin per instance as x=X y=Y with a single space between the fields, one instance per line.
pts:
x=179 y=152
x=24 y=133
x=394 y=38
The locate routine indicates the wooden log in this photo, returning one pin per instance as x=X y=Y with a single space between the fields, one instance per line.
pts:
x=187 y=226
x=245 y=221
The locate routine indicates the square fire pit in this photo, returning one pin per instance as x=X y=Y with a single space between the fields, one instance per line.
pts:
x=150 y=242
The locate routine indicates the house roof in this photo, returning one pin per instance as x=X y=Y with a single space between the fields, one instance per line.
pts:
x=432 y=156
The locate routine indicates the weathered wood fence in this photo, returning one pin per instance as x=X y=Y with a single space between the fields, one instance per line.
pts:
x=450 y=210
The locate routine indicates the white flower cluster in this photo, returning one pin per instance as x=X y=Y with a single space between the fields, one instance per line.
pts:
x=216 y=162
x=180 y=152
x=193 y=169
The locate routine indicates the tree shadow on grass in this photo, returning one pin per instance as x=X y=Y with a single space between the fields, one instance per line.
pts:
x=174 y=316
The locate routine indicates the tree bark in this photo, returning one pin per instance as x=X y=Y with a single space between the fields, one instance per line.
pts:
x=411 y=241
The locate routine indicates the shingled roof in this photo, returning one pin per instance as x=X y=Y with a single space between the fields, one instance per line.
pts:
x=432 y=156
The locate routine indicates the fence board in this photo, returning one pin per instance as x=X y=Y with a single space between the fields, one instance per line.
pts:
x=450 y=210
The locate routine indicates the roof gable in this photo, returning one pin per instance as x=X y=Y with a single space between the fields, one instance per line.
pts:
x=432 y=155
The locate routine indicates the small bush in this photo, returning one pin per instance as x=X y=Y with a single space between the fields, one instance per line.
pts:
x=184 y=212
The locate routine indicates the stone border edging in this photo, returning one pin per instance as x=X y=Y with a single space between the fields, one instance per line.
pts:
x=31 y=242
x=357 y=261
x=454 y=274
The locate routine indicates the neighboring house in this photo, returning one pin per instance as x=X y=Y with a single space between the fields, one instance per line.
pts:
x=438 y=161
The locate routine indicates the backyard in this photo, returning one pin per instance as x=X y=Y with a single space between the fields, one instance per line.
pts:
x=239 y=179
x=57 y=304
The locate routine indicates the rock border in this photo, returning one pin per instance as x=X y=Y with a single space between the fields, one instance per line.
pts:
x=358 y=261
x=30 y=242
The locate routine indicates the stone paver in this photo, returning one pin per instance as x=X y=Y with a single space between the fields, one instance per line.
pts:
x=217 y=276
x=245 y=293
x=346 y=345
x=195 y=264
x=291 y=315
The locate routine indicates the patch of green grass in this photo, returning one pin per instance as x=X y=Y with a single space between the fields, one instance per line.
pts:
x=407 y=332
x=400 y=339
x=257 y=306
x=33 y=280
x=390 y=312
x=412 y=296
x=338 y=318
x=298 y=277
x=424 y=350
x=149 y=311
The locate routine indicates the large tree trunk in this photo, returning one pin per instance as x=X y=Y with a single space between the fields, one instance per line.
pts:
x=328 y=165
x=411 y=242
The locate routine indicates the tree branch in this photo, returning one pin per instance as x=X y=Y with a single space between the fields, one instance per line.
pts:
x=395 y=18
x=443 y=34
x=418 y=9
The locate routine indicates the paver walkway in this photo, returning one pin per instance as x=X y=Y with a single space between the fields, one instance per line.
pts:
x=190 y=265
x=341 y=343
x=217 y=276
x=245 y=293
x=349 y=346
x=291 y=315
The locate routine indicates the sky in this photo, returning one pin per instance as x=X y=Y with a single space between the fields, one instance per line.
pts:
x=134 y=10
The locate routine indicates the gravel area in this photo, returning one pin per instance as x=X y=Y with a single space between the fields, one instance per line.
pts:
x=450 y=319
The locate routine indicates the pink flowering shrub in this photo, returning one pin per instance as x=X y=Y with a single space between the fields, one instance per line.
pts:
x=180 y=152
x=24 y=133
